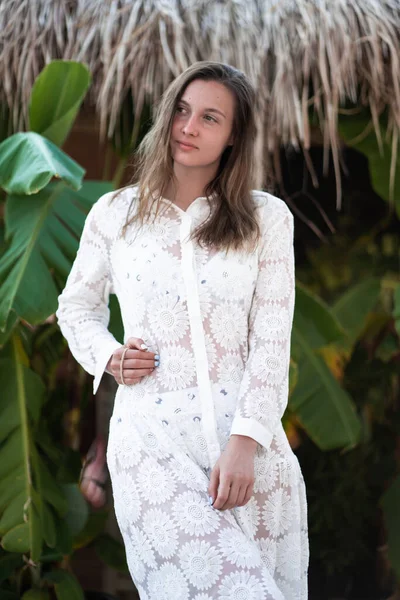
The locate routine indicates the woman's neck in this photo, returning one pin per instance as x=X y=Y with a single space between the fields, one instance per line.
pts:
x=187 y=185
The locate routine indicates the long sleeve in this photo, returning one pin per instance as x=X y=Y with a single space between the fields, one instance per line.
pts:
x=263 y=394
x=83 y=314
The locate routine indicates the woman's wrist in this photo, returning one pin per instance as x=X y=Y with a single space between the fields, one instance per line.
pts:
x=244 y=441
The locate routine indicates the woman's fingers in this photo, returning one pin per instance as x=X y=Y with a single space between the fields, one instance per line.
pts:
x=234 y=492
x=135 y=373
x=214 y=482
x=228 y=492
x=241 y=496
x=134 y=342
x=223 y=492
x=139 y=363
x=249 y=493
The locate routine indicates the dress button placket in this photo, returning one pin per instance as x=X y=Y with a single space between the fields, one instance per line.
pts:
x=198 y=340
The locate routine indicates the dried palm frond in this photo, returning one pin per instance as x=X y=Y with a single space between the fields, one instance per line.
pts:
x=301 y=55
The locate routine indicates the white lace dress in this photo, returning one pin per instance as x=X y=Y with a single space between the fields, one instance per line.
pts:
x=221 y=323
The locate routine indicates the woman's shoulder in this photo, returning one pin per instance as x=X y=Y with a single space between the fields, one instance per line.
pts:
x=272 y=207
x=109 y=211
x=119 y=199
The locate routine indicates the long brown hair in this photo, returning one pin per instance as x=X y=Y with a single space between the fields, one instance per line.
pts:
x=233 y=219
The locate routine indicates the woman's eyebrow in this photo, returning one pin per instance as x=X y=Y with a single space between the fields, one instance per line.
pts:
x=206 y=109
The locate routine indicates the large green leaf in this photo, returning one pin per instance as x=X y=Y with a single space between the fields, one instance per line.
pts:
x=13 y=514
x=50 y=488
x=9 y=561
x=9 y=326
x=56 y=97
x=314 y=321
x=10 y=451
x=323 y=407
x=6 y=595
x=65 y=584
x=20 y=408
x=390 y=502
x=111 y=552
x=353 y=307
x=17 y=539
x=94 y=526
x=44 y=231
x=396 y=308
x=351 y=128
x=78 y=511
x=28 y=161
x=36 y=595
x=27 y=490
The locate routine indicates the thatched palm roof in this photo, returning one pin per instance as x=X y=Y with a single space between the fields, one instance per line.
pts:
x=337 y=50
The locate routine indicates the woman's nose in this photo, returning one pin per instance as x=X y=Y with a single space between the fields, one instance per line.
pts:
x=190 y=127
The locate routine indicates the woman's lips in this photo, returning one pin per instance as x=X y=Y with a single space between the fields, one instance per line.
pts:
x=186 y=146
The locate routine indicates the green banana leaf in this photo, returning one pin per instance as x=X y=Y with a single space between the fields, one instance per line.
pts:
x=390 y=503
x=314 y=320
x=56 y=97
x=9 y=562
x=354 y=306
x=6 y=595
x=94 y=526
x=111 y=552
x=65 y=584
x=44 y=230
x=29 y=497
x=78 y=511
x=396 y=308
x=350 y=128
x=36 y=595
x=324 y=408
x=29 y=161
x=9 y=326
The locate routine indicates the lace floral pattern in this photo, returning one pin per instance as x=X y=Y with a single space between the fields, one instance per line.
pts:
x=221 y=323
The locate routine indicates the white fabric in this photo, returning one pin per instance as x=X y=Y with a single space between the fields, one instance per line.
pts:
x=221 y=323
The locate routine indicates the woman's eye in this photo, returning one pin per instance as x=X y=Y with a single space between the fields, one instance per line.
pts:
x=180 y=109
x=208 y=117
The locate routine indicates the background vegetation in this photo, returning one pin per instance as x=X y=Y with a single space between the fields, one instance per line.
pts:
x=342 y=420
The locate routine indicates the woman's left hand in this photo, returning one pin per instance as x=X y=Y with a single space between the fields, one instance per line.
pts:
x=232 y=478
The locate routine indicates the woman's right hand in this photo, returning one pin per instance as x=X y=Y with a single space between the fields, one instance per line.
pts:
x=137 y=362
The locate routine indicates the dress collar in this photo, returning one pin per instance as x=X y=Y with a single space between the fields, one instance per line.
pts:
x=200 y=204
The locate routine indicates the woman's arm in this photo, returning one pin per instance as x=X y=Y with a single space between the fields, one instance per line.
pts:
x=83 y=313
x=263 y=394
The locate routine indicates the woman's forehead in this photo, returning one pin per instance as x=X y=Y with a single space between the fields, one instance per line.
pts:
x=208 y=94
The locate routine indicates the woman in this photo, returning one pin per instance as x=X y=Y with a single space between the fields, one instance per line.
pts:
x=208 y=494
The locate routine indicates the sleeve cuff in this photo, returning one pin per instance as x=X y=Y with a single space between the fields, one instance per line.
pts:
x=103 y=358
x=252 y=428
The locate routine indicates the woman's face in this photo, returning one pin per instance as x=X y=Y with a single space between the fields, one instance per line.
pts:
x=203 y=121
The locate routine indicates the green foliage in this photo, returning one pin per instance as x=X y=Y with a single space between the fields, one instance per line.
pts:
x=339 y=410
x=390 y=503
x=358 y=132
x=346 y=486
x=67 y=83
x=65 y=584
x=354 y=306
x=29 y=161
x=43 y=515
x=43 y=232
x=111 y=552
x=332 y=423
x=36 y=594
